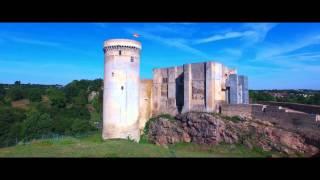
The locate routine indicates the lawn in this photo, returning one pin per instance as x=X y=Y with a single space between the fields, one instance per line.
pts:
x=94 y=146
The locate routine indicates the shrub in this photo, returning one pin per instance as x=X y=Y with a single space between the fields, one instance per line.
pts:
x=10 y=120
x=80 y=126
x=2 y=93
x=234 y=119
x=34 y=94
x=36 y=125
x=57 y=98
x=15 y=93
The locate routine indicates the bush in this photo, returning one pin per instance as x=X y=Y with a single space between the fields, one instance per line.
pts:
x=260 y=96
x=62 y=125
x=34 y=94
x=81 y=99
x=234 y=119
x=80 y=126
x=10 y=120
x=15 y=93
x=97 y=103
x=2 y=93
x=36 y=125
x=57 y=98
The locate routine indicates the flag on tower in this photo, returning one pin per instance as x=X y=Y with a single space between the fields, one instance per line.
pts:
x=136 y=35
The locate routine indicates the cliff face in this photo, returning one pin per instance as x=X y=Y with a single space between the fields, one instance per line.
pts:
x=205 y=128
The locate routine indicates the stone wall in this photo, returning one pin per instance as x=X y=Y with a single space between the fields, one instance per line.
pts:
x=198 y=87
x=145 y=102
x=312 y=109
x=238 y=87
x=242 y=110
x=304 y=123
x=167 y=90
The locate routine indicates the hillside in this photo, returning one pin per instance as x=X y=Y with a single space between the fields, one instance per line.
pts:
x=94 y=146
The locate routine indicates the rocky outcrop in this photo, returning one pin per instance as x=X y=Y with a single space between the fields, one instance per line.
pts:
x=92 y=95
x=205 y=128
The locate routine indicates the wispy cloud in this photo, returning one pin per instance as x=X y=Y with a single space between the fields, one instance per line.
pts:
x=181 y=43
x=254 y=33
x=259 y=31
x=218 y=37
x=306 y=56
x=25 y=40
x=233 y=51
x=285 y=48
x=34 y=41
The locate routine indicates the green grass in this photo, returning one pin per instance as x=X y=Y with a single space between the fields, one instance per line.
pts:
x=94 y=146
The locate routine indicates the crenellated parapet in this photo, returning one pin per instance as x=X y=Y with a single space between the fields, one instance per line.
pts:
x=122 y=43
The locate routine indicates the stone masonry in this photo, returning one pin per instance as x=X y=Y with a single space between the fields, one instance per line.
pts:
x=197 y=87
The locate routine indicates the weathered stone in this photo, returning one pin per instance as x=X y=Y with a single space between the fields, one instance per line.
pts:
x=204 y=128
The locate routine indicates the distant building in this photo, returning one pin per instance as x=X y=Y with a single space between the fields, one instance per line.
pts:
x=129 y=102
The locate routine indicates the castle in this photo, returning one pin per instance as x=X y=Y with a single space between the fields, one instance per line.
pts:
x=128 y=101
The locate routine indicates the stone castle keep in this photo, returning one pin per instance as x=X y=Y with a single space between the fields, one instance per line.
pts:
x=129 y=101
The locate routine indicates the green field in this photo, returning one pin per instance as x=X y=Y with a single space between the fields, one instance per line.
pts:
x=94 y=146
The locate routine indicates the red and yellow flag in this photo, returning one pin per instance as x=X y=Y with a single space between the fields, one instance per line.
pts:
x=136 y=35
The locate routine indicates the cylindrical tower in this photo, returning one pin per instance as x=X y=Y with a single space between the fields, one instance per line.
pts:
x=121 y=89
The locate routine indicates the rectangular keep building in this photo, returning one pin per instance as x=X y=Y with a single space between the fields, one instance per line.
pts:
x=197 y=87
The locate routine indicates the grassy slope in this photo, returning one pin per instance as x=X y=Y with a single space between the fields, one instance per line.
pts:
x=93 y=146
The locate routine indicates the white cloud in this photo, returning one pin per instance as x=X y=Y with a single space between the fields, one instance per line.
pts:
x=284 y=48
x=172 y=42
x=306 y=56
x=34 y=41
x=218 y=37
x=259 y=31
x=254 y=33
x=233 y=52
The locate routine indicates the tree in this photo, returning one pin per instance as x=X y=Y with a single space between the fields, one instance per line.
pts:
x=36 y=125
x=81 y=126
x=97 y=102
x=315 y=99
x=96 y=85
x=260 y=96
x=17 y=83
x=57 y=98
x=34 y=94
x=62 y=125
x=2 y=93
x=9 y=120
x=15 y=93
x=81 y=99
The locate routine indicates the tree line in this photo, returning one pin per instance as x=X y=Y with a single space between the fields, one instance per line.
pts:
x=52 y=110
x=291 y=96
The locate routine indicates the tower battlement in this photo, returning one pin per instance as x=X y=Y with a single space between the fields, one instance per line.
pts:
x=119 y=43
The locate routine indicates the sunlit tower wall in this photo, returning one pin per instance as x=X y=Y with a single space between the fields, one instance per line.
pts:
x=121 y=89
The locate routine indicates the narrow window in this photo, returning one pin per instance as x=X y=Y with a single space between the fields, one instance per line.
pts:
x=119 y=53
x=112 y=74
x=132 y=59
x=164 y=80
x=121 y=87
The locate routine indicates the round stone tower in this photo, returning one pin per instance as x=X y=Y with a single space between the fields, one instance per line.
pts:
x=121 y=89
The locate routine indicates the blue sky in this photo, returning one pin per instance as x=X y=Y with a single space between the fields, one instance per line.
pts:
x=272 y=55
